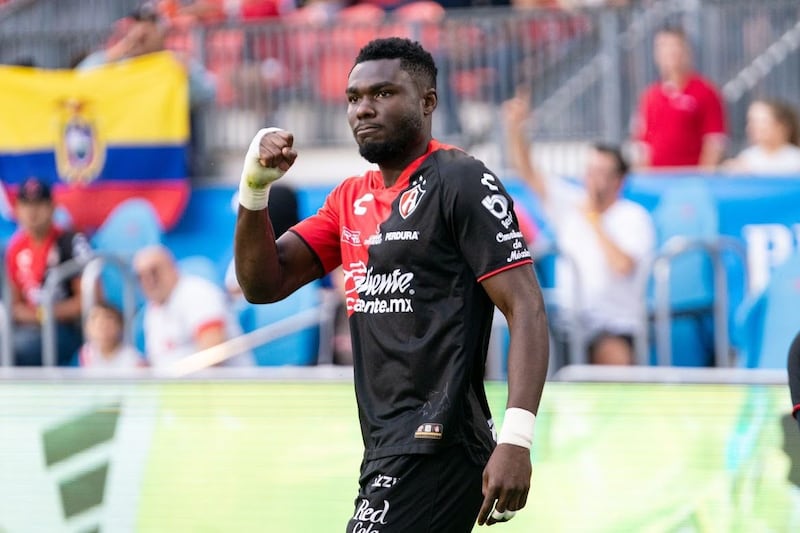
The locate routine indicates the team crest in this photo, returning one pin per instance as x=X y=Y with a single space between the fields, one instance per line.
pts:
x=80 y=152
x=410 y=199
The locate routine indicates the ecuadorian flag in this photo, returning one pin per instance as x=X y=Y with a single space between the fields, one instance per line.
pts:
x=99 y=136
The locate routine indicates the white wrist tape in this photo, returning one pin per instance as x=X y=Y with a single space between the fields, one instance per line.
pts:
x=505 y=516
x=256 y=178
x=517 y=428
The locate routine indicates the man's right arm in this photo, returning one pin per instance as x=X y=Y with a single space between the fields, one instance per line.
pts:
x=267 y=270
x=517 y=111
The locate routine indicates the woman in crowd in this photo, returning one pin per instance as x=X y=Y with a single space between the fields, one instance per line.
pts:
x=774 y=136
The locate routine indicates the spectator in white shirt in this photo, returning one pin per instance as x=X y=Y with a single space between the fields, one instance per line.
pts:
x=184 y=314
x=607 y=238
x=774 y=135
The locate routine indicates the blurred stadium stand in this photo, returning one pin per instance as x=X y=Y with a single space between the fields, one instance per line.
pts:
x=586 y=66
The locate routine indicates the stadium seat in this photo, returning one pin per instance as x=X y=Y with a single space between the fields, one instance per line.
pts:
x=224 y=58
x=300 y=348
x=420 y=20
x=355 y=26
x=201 y=266
x=687 y=211
x=131 y=226
x=766 y=323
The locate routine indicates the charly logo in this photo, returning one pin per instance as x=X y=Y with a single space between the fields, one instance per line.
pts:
x=369 y=518
x=80 y=150
x=358 y=205
x=410 y=199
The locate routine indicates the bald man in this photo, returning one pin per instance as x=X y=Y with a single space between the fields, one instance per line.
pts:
x=184 y=313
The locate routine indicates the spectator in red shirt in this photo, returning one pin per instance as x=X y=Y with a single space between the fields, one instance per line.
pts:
x=34 y=250
x=681 y=119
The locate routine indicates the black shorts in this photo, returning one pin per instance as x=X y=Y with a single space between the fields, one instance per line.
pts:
x=418 y=494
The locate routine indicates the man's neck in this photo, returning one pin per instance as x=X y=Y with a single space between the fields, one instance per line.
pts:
x=39 y=237
x=391 y=171
x=677 y=79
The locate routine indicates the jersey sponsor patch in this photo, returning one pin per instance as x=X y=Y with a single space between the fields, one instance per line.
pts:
x=401 y=236
x=351 y=237
x=410 y=199
x=385 y=292
x=429 y=431
x=368 y=517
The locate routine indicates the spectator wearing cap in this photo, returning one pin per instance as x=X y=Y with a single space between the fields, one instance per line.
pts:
x=36 y=248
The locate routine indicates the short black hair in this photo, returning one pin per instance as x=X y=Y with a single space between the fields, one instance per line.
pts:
x=615 y=153
x=414 y=59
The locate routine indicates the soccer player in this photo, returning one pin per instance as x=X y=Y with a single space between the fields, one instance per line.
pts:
x=429 y=245
x=793 y=367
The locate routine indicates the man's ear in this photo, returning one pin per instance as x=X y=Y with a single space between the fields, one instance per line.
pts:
x=430 y=101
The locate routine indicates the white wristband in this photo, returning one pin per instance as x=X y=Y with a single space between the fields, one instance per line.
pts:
x=517 y=428
x=256 y=178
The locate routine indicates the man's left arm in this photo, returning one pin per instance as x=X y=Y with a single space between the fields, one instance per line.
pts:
x=507 y=476
x=210 y=335
x=714 y=128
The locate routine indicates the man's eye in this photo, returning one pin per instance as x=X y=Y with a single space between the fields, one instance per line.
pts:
x=352 y=99
x=383 y=94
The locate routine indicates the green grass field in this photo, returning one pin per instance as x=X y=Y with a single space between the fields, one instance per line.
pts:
x=607 y=457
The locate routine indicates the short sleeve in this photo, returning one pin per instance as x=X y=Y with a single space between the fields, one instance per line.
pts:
x=641 y=121
x=321 y=232
x=713 y=113
x=637 y=239
x=214 y=310
x=481 y=217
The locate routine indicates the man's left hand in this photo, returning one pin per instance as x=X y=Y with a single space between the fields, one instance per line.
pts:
x=506 y=482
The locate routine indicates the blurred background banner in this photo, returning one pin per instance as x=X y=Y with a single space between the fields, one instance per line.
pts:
x=261 y=456
x=100 y=136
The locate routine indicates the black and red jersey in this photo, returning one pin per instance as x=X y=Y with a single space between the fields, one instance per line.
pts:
x=413 y=257
x=28 y=262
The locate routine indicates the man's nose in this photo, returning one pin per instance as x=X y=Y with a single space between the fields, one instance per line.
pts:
x=365 y=108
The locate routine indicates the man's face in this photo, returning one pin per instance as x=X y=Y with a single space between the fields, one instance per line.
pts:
x=35 y=217
x=602 y=179
x=671 y=54
x=157 y=277
x=148 y=37
x=385 y=110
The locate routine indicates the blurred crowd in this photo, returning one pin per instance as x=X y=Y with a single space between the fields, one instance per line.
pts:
x=680 y=122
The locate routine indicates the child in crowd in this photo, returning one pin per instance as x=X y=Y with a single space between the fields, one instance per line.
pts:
x=104 y=347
